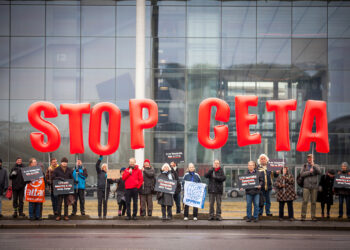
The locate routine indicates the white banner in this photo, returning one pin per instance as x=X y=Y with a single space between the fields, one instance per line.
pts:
x=194 y=194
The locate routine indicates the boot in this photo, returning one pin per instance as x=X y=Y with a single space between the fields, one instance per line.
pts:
x=14 y=214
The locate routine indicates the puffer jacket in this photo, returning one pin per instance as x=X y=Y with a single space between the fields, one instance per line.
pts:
x=286 y=193
x=17 y=178
x=80 y=178
x=310 y=179
x=149 y=180
x=216 y=180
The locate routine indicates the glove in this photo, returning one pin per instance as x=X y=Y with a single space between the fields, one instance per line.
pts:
x=101 y=157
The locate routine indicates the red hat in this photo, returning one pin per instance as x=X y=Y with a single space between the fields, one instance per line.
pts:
x=149 y=162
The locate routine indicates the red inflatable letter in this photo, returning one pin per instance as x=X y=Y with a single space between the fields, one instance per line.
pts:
x=51 y=131
x=243 y=120
x=137 y=124
x=113 y=128
x=75 y=113
x=281 y=109
x=220 y=131
x=317 y=110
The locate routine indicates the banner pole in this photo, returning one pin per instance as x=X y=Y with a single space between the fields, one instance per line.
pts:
x=250 y=152
x=106 y=183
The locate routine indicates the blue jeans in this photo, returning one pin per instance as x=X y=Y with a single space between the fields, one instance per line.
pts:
x=267 y=202
x=252 y=198
x=34 y=207
x=347 y=204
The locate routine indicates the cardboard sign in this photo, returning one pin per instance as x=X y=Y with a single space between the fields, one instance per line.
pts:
x=165 y=186
x=63 y=187
x=113 y=174
x=32 y=173
x=174 y=155
x=342 y=181
x=248 y=181
x=276 y=164
x=35 y=191
x=194 y=194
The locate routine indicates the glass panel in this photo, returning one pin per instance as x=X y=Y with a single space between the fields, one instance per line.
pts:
x=309 y=2
x=339 y=22
x=274 y=52
x=171 y=116
x=27 y=84
x=126 y=53
x=4 y=84
x=98 y=21
x=166 y=141
x=171 y=2
x=238 y=3
x=204 y=2
x=63 y=21
x=4 y=131
x=238 y=53
x=27 y=52
x=170 y=52
x=309 y=53
x=4 y=20
x=309 y=22
x=126 y=20
x=203 y=53
x=63 y=52
x=126 y=85
x=28 y=20
x=338 y=86
x=203 y=21
x=338 y=53
x=338 y=3
x=274 y=22
x=239 y=22
x=274 y=2
x=98 y=52
x=4 y=51
x=62 y=84
x=98 y=84
x=169 y=84
x=171 y=21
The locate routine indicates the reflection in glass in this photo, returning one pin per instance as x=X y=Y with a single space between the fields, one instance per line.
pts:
x=4 y=84
x=274 y=52
x=309 y=53
x=98 y=52
x=62 y=84
x=63 y=52
x=27 y=51
x=339 y=54
x=169 y=84
x=126 y=52
x=170 y=52
x=339 y=22
x=126 y=85
x=126 y=20
x=239 y=22
x=4 y=20
x=274 y=2
x=309 y=22
x=98 y=21
x=171 y=116
x=98 y=84
x=28 y=20
x=274 y=22
x=63 y=20
x=203 y=21
x=238 y=53
x=203 y=52
x=167 y=141
x=171 y=21
x=27 y=84
x=4 y=51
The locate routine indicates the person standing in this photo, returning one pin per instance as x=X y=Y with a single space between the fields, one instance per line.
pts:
x=3 y=183
x=103 y=187
x=62 y=172
x=192 y=176
x=166 y=199
x=285 y=193
x=147 y=188
x=18 y=186
x=310 y=173
x=133 y=179
x=49 y=181
x=121 y=194
x=79 y=174
x=326 y=191
x=216 y=178
x=177 y=195
x=343 y=193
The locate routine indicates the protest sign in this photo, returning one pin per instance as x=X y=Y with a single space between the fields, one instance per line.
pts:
x=276 y=165
x=165 y=186
x=248 y=181
x=32 y=173
x=342 y=181
x=194 y=194
x=63 y=187
x=174 y=155
x=113 y=174
x=35 y=191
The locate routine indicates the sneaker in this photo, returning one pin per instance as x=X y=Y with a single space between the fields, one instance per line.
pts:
x=219 y=218
x=134 y=218
x=194 y=218
x=82 y=213
x=169 y=218
x=211 y=218
x=256 y=220
x=58 y=218
x=186 y=218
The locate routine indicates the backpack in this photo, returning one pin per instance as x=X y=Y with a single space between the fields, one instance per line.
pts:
x=300 y=180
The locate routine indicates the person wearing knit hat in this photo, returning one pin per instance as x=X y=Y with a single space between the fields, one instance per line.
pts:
x=147 y=188
x=121 y=194
x=3 y=183
x=325 y=192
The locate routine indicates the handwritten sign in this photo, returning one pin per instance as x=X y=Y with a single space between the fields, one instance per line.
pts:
x=32 y=173
x=248 y=181
x=342 y=181
x=63 y=187
x=194 y=194
x=113 y=174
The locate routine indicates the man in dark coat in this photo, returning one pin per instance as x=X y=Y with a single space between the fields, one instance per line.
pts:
x=147 y=188
x=343 y=193
x=3 y=183
x=216 y=178
x=18 y=186
x=177 y=195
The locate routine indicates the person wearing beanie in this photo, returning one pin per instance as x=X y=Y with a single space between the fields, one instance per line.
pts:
x=121 y=194
x=147 y=188
x=3 y=183
x=326 y=191
x=18 y=186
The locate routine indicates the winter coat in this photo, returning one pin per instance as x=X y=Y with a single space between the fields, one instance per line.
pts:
x=133 y=180
x=286 y=193
x=253 y=190
x=3 y=180
x=102 y=178
x=80 y=178
x=165 y=199
x=267 y=178
x=59 y=174
x=17 y=178
x=342 y=191
x=191 y=176
x=310 y=179
x=120 y=190
x=149 y=181
x=176 y=174
x=326 y=193
x=216 y=180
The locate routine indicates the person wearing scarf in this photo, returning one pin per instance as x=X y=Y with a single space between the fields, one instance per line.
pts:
x=191 y=175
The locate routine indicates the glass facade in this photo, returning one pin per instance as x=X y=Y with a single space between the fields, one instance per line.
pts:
x=84 y=51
